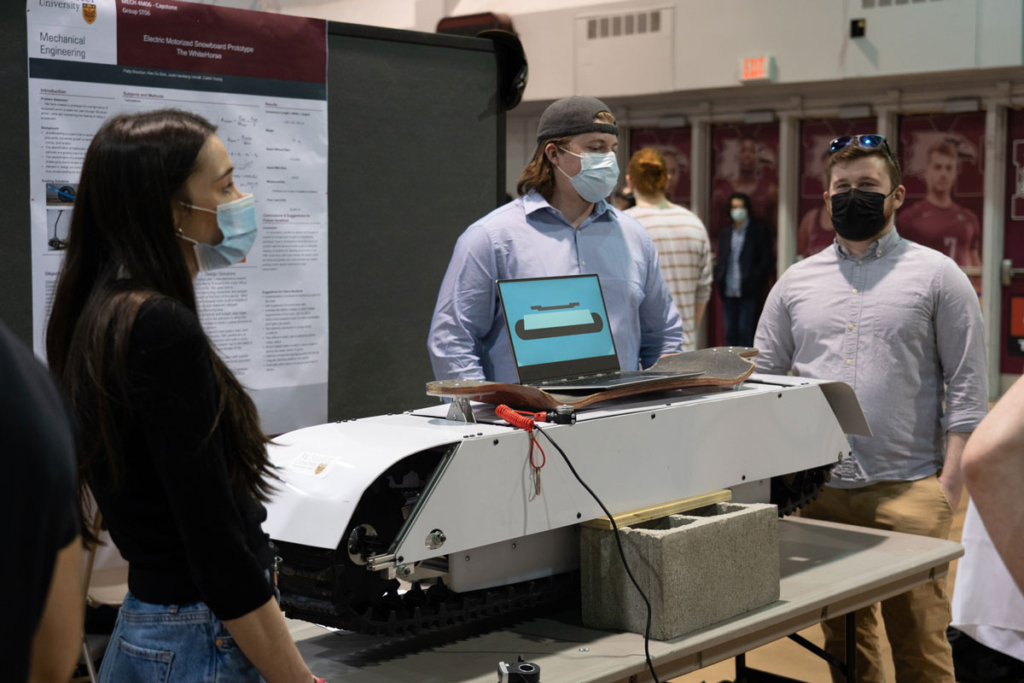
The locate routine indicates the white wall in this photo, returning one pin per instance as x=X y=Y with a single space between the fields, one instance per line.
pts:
x=809 y=40
x=386 y=13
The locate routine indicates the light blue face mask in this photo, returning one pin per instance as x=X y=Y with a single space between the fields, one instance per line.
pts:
x=237 y=223
x=597 y=177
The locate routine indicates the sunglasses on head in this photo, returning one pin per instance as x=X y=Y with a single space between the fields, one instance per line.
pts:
x=870 y=141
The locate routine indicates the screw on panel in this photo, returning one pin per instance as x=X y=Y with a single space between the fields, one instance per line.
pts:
x=467 y=558
x=404 y=570
x=513 y=546
x=495 y=442
x=780 y=395
x=435 y=539
x=653 y=416
x=584 y=649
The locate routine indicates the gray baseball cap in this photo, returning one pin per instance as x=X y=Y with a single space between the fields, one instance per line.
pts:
x=572 y=116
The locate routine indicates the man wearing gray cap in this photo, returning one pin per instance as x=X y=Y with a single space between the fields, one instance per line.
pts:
x=560 y=225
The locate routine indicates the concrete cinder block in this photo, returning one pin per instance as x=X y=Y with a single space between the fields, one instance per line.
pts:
x=696 y=568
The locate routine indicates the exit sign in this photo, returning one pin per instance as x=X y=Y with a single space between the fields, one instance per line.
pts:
x=757 y=69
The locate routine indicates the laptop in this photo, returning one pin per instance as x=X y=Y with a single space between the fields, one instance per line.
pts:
x=561 y=338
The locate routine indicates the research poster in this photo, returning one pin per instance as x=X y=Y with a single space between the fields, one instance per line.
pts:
x=262 y=80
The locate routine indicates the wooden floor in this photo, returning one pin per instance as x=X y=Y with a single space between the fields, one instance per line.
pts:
x=786 y=658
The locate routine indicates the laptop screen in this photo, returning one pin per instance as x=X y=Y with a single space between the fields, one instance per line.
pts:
x=558 y=327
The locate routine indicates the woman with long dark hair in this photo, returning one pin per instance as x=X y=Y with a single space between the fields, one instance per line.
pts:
x=170 y=443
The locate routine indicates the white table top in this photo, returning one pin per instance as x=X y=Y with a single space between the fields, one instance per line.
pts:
x=826 y=570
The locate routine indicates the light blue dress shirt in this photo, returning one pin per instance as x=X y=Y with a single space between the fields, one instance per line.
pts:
x=530 y=238
x=902 y=326
x=733 y=276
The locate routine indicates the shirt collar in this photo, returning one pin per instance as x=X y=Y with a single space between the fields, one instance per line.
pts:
x=534 y=201
x=876 y=249
x=743 y=228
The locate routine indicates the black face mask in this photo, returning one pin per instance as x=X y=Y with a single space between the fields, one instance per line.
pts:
x=858 y=215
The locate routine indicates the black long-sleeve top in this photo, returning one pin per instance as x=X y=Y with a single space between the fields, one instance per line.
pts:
x=186 y=534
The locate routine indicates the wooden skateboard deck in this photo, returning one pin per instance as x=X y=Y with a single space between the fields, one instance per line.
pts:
x=721 y=366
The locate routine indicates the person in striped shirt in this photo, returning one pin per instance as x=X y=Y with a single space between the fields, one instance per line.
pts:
x=681 y=239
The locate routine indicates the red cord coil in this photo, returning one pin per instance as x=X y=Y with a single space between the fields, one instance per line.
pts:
x=524 y=420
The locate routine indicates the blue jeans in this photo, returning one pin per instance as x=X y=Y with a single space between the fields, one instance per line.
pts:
x=740 y=320
x=173 y=644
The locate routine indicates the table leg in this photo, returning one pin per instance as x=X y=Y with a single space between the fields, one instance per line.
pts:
x=851 y=647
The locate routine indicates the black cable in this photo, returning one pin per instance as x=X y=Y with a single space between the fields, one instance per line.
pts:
x=622 y=554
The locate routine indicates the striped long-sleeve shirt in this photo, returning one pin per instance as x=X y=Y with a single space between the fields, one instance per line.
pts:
x=684 y=251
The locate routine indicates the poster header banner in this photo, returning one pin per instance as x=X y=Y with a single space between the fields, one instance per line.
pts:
x=185 y=36
x=172 y=36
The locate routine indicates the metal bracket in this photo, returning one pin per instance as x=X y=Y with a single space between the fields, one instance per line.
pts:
x=460 y=410
x=379 y=562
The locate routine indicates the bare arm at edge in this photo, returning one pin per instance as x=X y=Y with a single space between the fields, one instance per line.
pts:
x=993 y=468
x=263 y=636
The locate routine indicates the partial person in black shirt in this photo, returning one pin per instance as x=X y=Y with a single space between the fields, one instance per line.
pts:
x=170 y=442
x=40 y=575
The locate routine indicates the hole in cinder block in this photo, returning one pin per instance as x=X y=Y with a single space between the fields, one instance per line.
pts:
x=665 y=523
x=716 y=510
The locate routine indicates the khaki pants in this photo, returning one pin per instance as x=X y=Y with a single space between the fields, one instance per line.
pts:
x=916 y=621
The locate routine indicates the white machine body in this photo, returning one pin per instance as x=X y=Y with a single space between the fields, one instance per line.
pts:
x=479 y=520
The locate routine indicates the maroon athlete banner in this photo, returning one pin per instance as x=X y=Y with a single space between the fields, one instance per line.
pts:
x=815 y=228
x=1012 y=352
x=942 y=160
x=744 y=158
x=674 y=144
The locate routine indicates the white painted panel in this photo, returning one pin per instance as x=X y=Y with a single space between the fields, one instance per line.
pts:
x=610 y=64
x=912 y=38
x=1000 y=33
x=804 y=36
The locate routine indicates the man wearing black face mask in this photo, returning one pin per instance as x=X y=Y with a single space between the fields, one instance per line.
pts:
x=901 y=324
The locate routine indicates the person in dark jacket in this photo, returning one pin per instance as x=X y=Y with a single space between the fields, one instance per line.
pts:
x=744 y=261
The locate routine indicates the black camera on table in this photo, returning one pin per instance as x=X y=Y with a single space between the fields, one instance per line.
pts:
x=519 y=672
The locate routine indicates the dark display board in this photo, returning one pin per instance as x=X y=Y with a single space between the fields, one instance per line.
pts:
x=417 y=153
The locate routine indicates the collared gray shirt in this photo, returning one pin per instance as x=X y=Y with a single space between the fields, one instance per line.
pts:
x=903 y=327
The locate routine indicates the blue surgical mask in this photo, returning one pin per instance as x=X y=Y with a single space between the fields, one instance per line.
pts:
x=237 y=223
x=597 y=177
x=738 y=215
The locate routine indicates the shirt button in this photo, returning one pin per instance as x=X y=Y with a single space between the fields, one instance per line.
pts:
x=849 y=362
x=854 y=290
x=583 y=263
x=851 y=326
x=860 y=263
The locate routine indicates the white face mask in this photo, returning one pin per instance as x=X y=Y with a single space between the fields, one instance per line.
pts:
x=738 y=215
x=599 y=172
